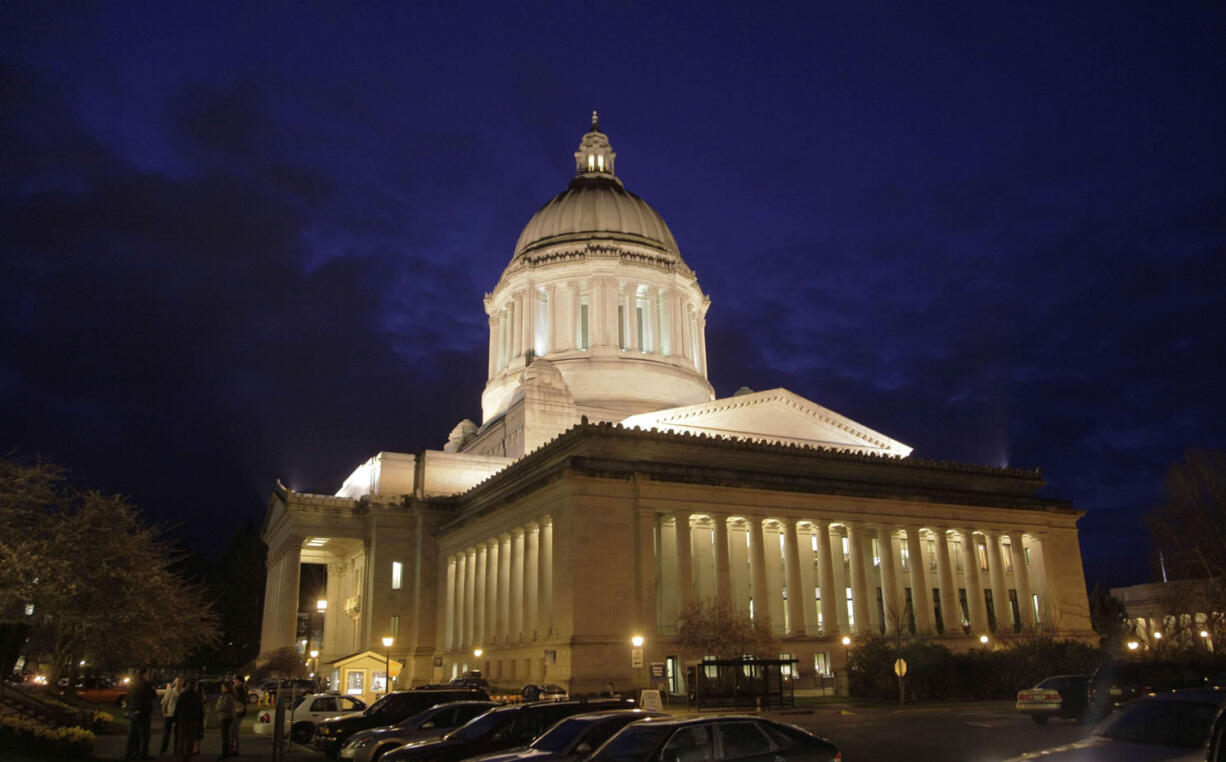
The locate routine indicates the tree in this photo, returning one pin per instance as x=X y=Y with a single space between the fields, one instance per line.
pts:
x=236 y=583
x=1109 y=619
x=1189 y=527
x=91 y=579
x=716 y=629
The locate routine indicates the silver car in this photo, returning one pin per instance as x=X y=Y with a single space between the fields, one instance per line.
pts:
x=370 y=745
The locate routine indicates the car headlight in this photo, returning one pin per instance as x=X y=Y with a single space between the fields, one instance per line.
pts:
x=361 y=743
x=323 y=730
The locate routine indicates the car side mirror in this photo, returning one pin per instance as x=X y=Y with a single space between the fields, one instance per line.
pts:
x=427 y=725
x=583 y=748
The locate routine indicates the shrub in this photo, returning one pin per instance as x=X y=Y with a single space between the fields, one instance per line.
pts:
x=31 y=739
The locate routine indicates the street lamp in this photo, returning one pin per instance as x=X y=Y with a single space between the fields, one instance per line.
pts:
x=1133 y=645
x=983 y=639
x=636 y=660
x=315 y=664
x=387 y=676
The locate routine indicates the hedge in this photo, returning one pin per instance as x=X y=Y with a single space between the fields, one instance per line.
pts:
x=33 y=740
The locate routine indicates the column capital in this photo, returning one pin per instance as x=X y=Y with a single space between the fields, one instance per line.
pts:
x=517 y=532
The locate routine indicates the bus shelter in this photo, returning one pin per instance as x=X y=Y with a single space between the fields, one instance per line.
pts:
x=742 y=683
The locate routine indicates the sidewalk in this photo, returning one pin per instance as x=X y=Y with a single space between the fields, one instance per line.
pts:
x=253 y=747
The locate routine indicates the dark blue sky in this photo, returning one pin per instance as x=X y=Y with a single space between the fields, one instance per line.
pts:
x=249 y=241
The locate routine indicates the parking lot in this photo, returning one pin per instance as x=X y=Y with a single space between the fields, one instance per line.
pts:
x=978 y=732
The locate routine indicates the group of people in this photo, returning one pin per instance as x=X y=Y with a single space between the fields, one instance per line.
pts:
x=183 y=705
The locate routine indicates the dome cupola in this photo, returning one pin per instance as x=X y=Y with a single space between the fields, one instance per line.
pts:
x=597 y=286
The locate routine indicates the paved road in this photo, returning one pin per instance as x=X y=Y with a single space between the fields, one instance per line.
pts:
x=956 y=733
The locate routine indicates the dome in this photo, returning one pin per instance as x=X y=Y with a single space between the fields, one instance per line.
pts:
x=596 y=206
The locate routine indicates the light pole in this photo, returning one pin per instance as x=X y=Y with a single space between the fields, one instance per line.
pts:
x=315 y=666
x=387 y=676
x=636 y=659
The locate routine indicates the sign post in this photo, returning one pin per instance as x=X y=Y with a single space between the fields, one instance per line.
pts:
x=900 y=669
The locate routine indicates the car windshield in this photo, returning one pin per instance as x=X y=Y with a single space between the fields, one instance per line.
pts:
x=563 y=734
x=634 y=742
x=481 y=726
x=1184 y=724
x=389 y=704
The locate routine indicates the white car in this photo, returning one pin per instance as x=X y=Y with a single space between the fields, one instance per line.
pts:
x=306 y=711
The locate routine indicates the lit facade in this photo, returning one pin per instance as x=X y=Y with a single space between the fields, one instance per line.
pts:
x=606 y=487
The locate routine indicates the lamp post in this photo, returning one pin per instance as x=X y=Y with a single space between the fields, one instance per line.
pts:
x=315 y=666
x=636 y=659
x=387 y=676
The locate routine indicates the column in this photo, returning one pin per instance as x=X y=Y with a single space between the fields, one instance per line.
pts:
x=545 y=594
x=462 y=583
x=449 y=633
x=527 y=320
x=632 y=322
x=859 y=586
x=723 y=560
x=702 y=345
x=825 y=574
x=685 y=559
x=531 y=559
x=996 y=574
x=517 y=584
x=480 y=623
x=891 y=598
x=492 y=598
x=1021 y=579
x=974 y=588
x=921 y=594
x=647 y=571
x=504 y=588
x=951 y=610
x=757 y=563
x=493 y=359
x=796 y=598
x=332 y=618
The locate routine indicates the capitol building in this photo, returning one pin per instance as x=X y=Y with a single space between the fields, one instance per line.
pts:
x=606 y=486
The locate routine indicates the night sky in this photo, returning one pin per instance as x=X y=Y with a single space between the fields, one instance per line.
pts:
x=249 y=241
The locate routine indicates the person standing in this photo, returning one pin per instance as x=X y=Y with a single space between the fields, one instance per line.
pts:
x=140 y=710
x=225 y=715
x=189 y=720
x=170 y=700
x=240 y=710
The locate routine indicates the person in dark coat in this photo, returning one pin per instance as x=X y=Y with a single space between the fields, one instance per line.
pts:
x=189 y=718
x=140 y=700
x=225 y=715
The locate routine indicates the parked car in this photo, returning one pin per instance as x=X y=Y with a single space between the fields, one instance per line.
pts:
x=686 y=739
x=306 y=712
x=1173 y=726
x=266 y=691
x=499 y=729
x=101 y=690
x=437 y=721
x=331 y=735
x=1059 y=696
x=536 y=692
x=572 y=738
x=1117 y=682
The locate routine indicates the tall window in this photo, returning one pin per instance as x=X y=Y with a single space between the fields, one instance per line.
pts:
x=621 y=327
x=932 y=554
x=987 y=599
x=966 y=612
x=876 y=553
x=397 y=570
x=982 y=550
x=1006 y=551
x=821 y=625
x=936 y=610
x=821 y=663
x=581 y=338
x=540 y=338
x=1015 y=611
x=910 y=604
x=1034 y=602
x=786 y=669
x=394 y=627
x=851 y=613
x=846 y=552
x=957 y=551
x=904 y=553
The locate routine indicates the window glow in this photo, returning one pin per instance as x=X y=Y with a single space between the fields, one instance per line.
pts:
x=600 y=162
x=321 y=605
x=591 y=162
x=397 y=569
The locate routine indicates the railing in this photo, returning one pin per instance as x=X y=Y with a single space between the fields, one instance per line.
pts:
x=29 y=704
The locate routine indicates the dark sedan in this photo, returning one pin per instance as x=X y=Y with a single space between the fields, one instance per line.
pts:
x=498 y=730
x=331 y=735
x=572 y=738
x=371 y=745
x=698 y=739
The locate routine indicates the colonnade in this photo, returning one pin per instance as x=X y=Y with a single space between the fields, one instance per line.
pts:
x=826 y=577
x=500 y=590
x=597 y=312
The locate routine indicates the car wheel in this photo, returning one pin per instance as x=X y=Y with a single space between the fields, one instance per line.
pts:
x=302 y=732
x=1039 y=719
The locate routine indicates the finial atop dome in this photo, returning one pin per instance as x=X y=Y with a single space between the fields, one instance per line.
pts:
x=595 y=155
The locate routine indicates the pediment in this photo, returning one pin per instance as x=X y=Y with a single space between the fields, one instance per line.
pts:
x=775 y=415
